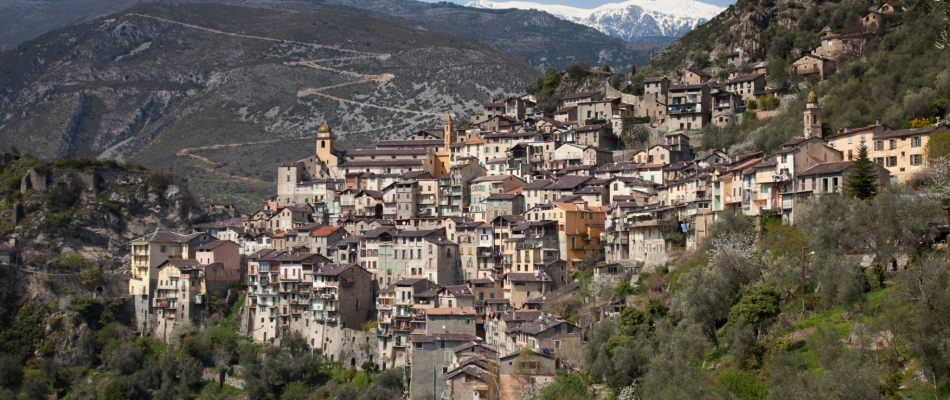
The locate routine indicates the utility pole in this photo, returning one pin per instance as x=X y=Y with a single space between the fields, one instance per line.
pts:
x=803 y=284
x=803 y=281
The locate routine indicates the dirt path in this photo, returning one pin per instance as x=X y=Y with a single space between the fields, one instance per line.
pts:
x=187 y=152
x=360 y=78
x=313 y=45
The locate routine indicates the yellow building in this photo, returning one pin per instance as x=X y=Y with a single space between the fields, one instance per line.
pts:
x=901 y=151
x=579 y=227
x=438 y=161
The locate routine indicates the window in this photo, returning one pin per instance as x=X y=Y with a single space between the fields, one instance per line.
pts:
x=915 y=141
x=893 y=144
x=878 y=145
x=879 y=160
x=915 y=159
x=892 y=161
x=163 y=249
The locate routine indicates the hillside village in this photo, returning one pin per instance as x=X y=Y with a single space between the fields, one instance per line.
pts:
x=440 y=251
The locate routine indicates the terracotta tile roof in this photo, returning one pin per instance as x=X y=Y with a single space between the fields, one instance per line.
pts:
x=325 y=231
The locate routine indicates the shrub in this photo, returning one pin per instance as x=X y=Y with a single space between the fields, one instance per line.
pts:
x=11 y=371
x=37 y=389
x=742 y=384
x=369 y=326
x=126 y=359
x=115 y=390
x=161 y=180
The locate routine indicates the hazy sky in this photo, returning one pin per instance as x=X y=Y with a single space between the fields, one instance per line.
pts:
x=588 y=3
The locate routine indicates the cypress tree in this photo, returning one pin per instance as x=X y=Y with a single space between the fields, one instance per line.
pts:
x=862 y=181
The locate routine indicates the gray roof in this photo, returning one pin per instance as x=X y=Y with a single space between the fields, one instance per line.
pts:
x=169 y=237
x=887 y=134
x=334 y=269
x=568 y=182
x=449 y=337
x=746 y=78
x=827 y=168
x=409 y=143
x=503 y=196
x=528 y=277
x=580 y=95
x=537 y=184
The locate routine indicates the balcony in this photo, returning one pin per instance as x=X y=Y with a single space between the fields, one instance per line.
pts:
x=685 y=109
x=328 y=296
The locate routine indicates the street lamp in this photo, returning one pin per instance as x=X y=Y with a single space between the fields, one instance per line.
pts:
x=803 y=281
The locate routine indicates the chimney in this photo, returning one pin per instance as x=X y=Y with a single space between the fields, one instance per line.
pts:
x=877 y=122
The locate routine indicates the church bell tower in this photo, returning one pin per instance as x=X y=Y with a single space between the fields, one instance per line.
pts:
x=812 y=117
x=325 y=149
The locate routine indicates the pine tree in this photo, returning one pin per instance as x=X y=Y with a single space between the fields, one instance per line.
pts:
x=862 y=181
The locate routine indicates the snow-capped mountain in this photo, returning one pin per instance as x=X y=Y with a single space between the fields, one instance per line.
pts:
x=631 y=20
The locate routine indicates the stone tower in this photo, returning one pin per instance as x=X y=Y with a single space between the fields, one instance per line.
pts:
x=447 y=135
x=325 y=149
x=812 y=117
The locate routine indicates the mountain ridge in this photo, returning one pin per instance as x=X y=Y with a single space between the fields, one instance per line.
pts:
x=631 y=20
x=154 y=80
x=537 y=38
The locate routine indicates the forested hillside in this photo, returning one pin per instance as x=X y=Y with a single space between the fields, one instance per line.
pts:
x=734 y=321
x=899 y=77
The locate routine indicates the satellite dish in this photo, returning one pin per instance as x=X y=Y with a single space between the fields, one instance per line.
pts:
x=728 y=198
x=777 y=178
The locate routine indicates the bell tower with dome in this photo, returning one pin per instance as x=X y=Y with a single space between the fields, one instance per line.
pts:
x=812 y=117
x=325 y=150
